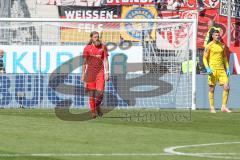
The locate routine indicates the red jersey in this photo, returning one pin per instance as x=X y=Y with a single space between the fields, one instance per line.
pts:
x=94 y=59
x=92 y=50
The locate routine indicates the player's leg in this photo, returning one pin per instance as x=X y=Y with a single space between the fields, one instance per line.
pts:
x=90 y=87
x=223 y=80
x=211 y=84
x=211 y=98
x=100 y=85
x=226 y=89
x=92 y=103
x=99 y=98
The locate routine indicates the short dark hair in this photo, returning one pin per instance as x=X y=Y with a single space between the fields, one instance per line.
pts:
x=211 y=32
x=215 y=31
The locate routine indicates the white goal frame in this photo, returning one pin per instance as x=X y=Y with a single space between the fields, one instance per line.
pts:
x=192 y=21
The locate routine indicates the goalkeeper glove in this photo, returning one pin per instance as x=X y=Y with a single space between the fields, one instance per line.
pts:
x=228 y=72
x=209 y=70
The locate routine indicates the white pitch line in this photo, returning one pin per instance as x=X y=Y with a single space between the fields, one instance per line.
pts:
x=172 y=150
x=217 y=153
x=81 y=154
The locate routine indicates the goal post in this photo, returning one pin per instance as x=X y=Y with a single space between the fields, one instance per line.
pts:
x=152 y=61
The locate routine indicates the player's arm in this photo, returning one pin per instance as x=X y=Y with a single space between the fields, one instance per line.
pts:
x=84 y=68
x=84 y=64
x=106 y=67
x=205 y=60
x=106 y=63
x=205 y=57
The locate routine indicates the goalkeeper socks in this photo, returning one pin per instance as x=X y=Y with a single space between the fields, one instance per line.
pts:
x=99 y=100
x=225 y=98
x=211 y=99
x=92 y=104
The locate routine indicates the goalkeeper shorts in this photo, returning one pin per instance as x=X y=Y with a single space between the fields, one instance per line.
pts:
x=218 y=75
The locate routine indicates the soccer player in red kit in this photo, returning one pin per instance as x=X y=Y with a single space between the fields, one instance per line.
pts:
x=95 y=71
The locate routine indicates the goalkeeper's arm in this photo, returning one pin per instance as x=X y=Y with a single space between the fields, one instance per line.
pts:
x=205 y=58
x=225 y=59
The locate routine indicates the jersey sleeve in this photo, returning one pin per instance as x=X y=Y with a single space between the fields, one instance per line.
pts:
x=206 y=55
x=85 y=52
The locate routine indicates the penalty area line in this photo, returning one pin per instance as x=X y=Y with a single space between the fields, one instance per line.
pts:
x=173 y=150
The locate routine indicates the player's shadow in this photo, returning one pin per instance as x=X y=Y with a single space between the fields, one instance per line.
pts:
x=62 y=109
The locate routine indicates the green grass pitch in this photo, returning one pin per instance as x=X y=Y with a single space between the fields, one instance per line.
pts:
x=27 y=134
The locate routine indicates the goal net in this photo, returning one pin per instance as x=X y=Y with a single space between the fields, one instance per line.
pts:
x=152 y=62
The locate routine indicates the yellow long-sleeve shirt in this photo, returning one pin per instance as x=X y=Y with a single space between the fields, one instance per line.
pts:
x=215 y=56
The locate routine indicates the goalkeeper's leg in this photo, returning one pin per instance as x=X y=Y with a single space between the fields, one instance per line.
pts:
x=223 y=79
x=212 y=79
x=225 y=98
x=211 y=98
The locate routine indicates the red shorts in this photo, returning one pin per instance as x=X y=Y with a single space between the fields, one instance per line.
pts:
x=98 y=84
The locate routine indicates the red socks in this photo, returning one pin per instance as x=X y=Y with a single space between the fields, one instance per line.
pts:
x=95 y=103
x=92 y=104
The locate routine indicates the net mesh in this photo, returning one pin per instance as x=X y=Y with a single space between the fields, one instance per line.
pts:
x=150 y=63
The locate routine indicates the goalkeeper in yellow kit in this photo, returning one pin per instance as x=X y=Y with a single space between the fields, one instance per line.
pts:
x=216 y=64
